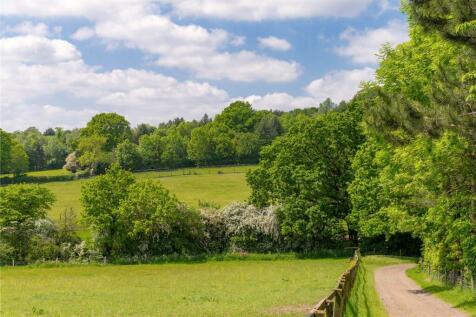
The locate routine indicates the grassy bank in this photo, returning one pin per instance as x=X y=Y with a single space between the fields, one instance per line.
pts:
x=231 y=288
x=461 y=299
x=364 y=300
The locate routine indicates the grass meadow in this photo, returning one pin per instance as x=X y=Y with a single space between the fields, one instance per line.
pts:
x=220 y=185
x=364 y=300
x=215 y=288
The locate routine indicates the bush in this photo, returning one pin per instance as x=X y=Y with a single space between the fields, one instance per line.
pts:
x=154 y=222
x=241 y=227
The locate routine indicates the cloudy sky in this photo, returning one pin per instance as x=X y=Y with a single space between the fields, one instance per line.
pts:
x=63 y=61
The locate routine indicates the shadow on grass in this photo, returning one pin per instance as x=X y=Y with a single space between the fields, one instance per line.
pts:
x=358 y=304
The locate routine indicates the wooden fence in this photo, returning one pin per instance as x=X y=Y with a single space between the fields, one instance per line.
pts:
x=334 y=304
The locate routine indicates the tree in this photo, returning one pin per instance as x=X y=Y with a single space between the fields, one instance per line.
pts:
x=140 y=130
x=18 y=159
x=175 y=149
x=307 y=172
x=55 y=152
x=101 y=198
x=111 y=126
x=13 y=158
x=268 y=128
x=246 y=147
x=200 y=147
x=5 y=151
x=49 y=132
x=151 y=149
x=92 y=155
x=238 y=116
x=454 y=19
x=20 y=207
x=419 y=89
x=127 y=156
x=33 y=142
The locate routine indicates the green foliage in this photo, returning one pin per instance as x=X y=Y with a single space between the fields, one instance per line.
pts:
x=415 y=174
x=55 y=152
x=151 y=149
x=112 y=127
x=91 y=154
x=18 y=159
x=454 y=19
x=127 y=156
x=138 y=219
x=101 y=198
x=5 y=151
x=307 y=172
x=153 y=222
x=238 y=116
x=419 y=89
x=20 y=207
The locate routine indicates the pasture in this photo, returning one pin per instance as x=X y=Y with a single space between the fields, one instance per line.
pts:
x=228 y=288
x=220 y=185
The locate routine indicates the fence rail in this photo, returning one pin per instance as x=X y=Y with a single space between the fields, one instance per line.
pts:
x=333 y=305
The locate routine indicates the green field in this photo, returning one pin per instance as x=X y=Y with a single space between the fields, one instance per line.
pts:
x=220 y=185
x=364 y=300
x=462 y=299
x=228 y=288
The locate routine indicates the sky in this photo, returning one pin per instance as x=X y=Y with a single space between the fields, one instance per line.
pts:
x=63 y=61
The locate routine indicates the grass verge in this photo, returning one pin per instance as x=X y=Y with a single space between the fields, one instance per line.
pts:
x=463 y=299
x=364 y=300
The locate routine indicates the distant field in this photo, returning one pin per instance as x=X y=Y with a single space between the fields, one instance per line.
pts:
x=229 y=288
x=220 y=185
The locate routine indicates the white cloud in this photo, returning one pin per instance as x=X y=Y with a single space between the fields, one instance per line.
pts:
x=139 y=94
x=89 y=9
x=195 y=49
x=280 y=101
x=363 y=46
x=339 y=85
x=36 y=49
x=243 y=66
x=43 y=116
x=135 y=24
x=29 y=28
x=83 y=33
x=258 y=10
x=274 y=43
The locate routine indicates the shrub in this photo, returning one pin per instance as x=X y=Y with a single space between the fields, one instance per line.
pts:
x=241 y=227
x=154 y=222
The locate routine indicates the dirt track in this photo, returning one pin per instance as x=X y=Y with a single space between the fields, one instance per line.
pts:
x=402 y=297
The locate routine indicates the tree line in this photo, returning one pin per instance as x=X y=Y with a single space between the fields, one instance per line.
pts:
x=236 y=135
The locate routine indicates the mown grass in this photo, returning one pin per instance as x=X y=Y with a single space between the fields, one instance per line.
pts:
x=230 y=288
x=364 y=300
x=220 y=185
x=463 y=299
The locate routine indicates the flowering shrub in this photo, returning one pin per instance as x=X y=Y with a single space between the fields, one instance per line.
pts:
x=241 y=227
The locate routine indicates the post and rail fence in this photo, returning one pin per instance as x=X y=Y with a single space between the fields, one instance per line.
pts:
x=333 y=305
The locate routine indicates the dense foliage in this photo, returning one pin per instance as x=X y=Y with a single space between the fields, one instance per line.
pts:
x=307 y=172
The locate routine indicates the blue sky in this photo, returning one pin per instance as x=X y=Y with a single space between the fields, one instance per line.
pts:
x=152 y=60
